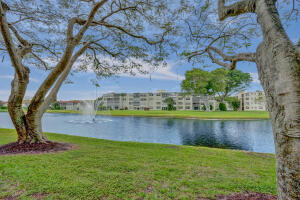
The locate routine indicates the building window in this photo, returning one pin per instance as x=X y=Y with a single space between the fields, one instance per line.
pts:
x=187 y=107
x=158 y=107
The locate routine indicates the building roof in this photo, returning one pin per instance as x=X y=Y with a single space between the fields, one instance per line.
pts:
x=73 y=101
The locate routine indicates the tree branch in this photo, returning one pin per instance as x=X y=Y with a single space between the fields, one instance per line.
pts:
x=105 y=49
x=89 y=21
x=36 y=101
x=18 y=36
x=40 y=60
x=95 y=23
x=118 y=10
x=238 y=8
x=250 y=57
x=53 y=94
x=10 y=46
x=133 y=35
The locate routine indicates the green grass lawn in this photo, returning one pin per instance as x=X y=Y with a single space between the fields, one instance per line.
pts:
x=182 y=114
x=101 y=169
x=177 y=114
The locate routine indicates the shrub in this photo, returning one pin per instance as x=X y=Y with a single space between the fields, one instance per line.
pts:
x=204 y=108
x=222 y=107
x=211 y=107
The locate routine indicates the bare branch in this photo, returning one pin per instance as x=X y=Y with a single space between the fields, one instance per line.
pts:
x=53 y=94
x=250 y=57
x=94 y=23
x=10 y=46
x=238 y=8
x=217 y=61
x=118 y=10
x=40 y=60
x=89 y=21
x=201 y=52
x=18 y=36
x=104 y=49
x=135 y=36
x=46 y=48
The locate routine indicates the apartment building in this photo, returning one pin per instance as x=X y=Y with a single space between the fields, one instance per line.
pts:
x=155 y=101
x=252 y=100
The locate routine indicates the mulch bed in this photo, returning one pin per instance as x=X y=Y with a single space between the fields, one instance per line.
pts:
x=36 y=148
x=247 y=196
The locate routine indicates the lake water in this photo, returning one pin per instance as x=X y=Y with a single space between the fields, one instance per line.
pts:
x=250 y=135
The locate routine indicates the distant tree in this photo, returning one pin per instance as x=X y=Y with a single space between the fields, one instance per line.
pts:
x=196 y=81
x=204 y=108
x=170 y=103
x=211 y=107
x=56 y=105
x=234 y=102
x=222 y=106
x=220 y=82
x=108 y=37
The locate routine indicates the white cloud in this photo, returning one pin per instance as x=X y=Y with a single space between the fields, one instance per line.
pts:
x=6 y=77
x=254 y=76
x=4 y=94
x=10 y=77
x=161 y=72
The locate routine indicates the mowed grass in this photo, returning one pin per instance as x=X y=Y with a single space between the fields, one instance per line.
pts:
x=181 y=114
x=101 y=169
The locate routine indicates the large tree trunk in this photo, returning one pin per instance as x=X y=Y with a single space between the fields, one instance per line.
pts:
x=29 y=131
x=279 y=72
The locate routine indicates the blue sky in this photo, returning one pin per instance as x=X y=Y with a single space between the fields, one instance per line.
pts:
x=168 y=78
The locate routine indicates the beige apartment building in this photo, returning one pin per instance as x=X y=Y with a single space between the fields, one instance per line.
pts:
x=252 y=100
x=155 y=101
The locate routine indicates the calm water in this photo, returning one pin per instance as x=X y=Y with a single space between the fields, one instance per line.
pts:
x=250 y=135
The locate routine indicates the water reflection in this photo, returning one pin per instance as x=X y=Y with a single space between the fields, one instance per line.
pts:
x=219 y=134
x=250 y=135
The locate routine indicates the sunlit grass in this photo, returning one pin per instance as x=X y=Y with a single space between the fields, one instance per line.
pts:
x=101 y=169
x=182 y=114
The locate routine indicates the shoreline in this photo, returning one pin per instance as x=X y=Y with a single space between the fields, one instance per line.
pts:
x=216 y=115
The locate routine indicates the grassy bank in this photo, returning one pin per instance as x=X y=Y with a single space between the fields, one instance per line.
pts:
x=101 y=169
x=181 y=114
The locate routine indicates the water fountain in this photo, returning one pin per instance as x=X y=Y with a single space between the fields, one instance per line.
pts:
x=89 y=113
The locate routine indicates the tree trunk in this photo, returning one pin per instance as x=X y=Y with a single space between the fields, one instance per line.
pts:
x=279 y=72
x=29 y=131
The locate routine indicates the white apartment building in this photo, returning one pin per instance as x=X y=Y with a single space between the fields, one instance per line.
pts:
x=252 y=100
x=155 y=101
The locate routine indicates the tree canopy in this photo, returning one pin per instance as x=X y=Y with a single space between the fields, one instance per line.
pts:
x=219 y=83
x=107 y=37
